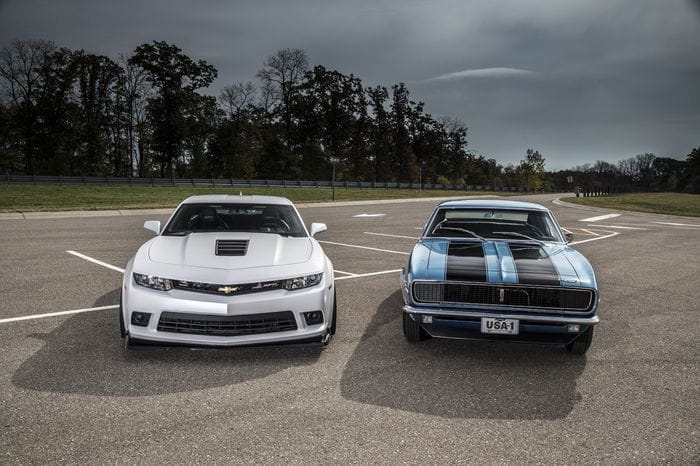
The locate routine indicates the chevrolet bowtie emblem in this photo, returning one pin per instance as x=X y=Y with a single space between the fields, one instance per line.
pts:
x=227 y=289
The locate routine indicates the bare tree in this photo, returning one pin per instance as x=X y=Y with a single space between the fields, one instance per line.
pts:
x=280 y=74
x=235 y=97
x=21 y=66
x=136 y=91
x=451 y=124
x=267 y=97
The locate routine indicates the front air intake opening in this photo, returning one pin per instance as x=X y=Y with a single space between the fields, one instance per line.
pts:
x=231 y=247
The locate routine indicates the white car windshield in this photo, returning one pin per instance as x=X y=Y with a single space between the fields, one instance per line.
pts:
x=243 y=218
x=528 y=225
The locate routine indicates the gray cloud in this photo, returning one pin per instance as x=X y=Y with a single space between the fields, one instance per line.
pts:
x=609 y=78
x=497 y=72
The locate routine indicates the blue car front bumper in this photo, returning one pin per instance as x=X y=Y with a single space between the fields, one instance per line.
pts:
x=466 y=324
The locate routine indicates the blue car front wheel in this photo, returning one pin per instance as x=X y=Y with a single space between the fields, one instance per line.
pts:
x=412 y=331
x=581 y=344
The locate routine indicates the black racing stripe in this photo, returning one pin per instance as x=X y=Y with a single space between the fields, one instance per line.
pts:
x=466 y=262
x=533 y=265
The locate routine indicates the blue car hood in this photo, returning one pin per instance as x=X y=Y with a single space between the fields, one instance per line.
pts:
x=503 y=262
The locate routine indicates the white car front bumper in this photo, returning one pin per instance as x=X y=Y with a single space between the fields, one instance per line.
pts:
x=189 y=305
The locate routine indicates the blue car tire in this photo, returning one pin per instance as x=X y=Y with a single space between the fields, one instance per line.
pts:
x=412 y=331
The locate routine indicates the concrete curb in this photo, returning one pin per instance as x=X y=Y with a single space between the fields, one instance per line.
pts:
x=387 y=201
x=81 y=213
x=71 y=213
x=11 y=216
x=633 y=213
x=134 y=212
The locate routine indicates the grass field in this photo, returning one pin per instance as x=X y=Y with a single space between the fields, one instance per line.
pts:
x=27 y=198
x=656 y=203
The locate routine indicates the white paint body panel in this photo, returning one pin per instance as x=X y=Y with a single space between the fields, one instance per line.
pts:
x=192 y=258
x=197 y=250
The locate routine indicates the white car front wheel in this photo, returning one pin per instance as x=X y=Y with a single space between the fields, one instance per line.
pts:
x=122 y=327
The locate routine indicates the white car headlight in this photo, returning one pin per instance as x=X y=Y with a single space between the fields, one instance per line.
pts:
x=166 y=284
x=302 y=282
x=156 y=283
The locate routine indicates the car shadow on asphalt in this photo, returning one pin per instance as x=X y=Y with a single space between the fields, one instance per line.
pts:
x=85 y=355
x=458 y=379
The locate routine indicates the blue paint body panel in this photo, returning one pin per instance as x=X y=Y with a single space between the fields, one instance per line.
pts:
x=493 y=263
x=582 y=267
x=509 y=273
x=429 y=261
x=491 y=204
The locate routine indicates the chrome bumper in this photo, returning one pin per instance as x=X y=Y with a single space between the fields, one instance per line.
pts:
x=591 y=320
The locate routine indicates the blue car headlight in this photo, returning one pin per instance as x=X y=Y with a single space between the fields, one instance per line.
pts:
x=156 y=283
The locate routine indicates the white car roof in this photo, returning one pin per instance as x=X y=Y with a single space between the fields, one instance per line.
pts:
x=236 y=199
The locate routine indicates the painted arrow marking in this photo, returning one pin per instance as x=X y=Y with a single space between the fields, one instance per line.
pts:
x=601 y=217
x=618 y=226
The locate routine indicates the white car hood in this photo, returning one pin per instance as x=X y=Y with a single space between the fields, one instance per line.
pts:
x=199 y=250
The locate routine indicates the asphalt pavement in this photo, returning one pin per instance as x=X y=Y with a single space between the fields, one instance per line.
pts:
x=69 y=392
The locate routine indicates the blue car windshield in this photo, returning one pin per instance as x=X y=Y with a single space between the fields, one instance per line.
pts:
x=504 y=224
x=240 y=218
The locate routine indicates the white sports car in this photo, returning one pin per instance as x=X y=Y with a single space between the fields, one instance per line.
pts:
x=229 y=270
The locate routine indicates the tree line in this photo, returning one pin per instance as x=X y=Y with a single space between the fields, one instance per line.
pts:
x=644 y=172
x=147 y=113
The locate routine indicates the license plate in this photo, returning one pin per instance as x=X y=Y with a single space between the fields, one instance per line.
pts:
x=502 y=326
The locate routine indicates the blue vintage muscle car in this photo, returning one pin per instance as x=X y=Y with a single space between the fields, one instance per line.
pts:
x=498 y=270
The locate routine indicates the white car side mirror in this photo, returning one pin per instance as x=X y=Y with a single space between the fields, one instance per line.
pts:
x=153 y=225
x=317 y=228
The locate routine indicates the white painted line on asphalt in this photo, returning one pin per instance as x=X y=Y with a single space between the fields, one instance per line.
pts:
x=626 y=224
x=345 y=273
x=96 y=261
x=364 y=247
x=589 y=232
x=368 y=215
x=369 y=274
x=678 y=224
x=579 y=231
x=594 y=239
x=636 y=224
x=600 y=217
x=618 y=226
x=60 y=313
x=387 y=234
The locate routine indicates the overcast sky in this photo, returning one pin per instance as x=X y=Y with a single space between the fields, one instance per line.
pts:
x=579 y=80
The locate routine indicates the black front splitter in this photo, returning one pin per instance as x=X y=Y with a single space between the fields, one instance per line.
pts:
x=137 y=344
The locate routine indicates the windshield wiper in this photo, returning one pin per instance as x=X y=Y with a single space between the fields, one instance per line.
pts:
x=462 y=230
x=519 y=235
x=437 y=227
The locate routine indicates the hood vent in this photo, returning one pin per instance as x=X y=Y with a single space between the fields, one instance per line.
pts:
x=231 y=247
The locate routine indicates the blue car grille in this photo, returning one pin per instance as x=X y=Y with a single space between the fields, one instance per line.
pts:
x=537 y=297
